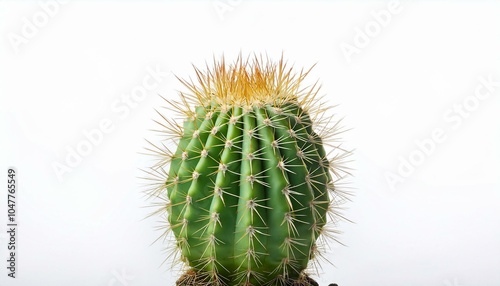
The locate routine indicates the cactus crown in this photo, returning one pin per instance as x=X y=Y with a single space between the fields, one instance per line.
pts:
x=247 y=83
x=249 y=190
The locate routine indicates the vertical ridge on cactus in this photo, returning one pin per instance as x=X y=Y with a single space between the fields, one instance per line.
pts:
x=250 y=189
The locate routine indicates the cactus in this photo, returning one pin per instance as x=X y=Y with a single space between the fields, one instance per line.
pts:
x=249 y=190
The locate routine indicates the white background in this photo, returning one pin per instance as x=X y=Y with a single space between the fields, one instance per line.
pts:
x=438 y=226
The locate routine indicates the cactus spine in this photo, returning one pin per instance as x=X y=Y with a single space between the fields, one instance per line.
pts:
x=249 y=187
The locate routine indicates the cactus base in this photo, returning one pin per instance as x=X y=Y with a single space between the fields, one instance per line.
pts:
x=192 y=278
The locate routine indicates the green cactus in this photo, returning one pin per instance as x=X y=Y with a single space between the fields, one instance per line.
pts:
x=250 y=186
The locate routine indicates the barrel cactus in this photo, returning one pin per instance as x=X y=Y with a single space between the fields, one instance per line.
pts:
x=248 y=190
